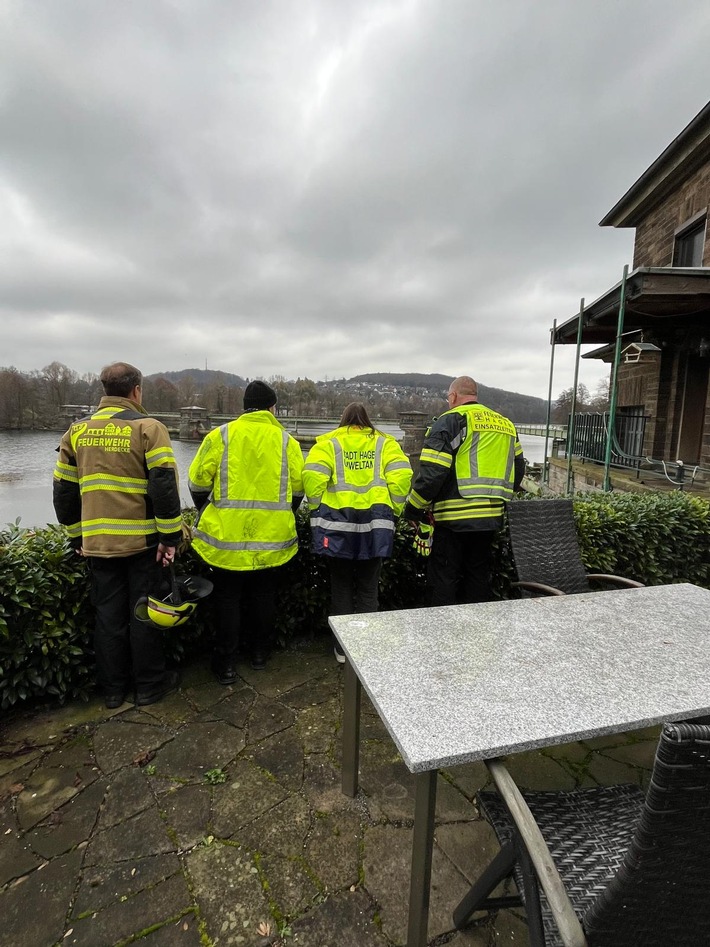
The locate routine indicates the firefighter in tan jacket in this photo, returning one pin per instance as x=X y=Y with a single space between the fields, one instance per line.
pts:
x=116 y=492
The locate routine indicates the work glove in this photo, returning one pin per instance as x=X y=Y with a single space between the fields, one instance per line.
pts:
x=423 y=539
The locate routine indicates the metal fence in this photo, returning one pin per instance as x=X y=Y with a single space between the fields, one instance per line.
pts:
x=590 y=434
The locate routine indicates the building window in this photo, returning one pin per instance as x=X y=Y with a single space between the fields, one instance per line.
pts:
x=690 y=243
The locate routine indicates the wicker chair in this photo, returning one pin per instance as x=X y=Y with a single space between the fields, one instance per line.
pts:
x=545 y=548
x=616 y=869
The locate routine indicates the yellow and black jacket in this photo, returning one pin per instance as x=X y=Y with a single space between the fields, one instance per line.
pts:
x=116 y=483
x=471 y=463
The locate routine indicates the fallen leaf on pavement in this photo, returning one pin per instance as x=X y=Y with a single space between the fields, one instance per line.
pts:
x=144 y=758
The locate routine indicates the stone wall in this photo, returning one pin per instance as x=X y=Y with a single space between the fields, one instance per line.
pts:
x=583 y=481
x=655 y=235
x=658 y=383
x=589 y=477
x=639 y=384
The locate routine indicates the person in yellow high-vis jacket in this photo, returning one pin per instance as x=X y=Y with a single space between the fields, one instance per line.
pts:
x=470 y=466
x=246 y=482
x=356 y=480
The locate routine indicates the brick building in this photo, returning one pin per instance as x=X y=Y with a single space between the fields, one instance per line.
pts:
x=665 y=350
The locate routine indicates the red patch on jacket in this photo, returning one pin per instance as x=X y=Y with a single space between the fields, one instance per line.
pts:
x=325 y=541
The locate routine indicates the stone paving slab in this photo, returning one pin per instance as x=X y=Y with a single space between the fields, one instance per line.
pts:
x=120 y=742
x=247 y=794
x=230 y=894
x=17 y=755
x=200 y=747
x=141 y=835
x=332 y=850
x=345 y=920
x=102 y=885
x=128 y=794
x=321 y=784
x=281 y=757
x=236 y=707
x=187 y=810
x=69 y=825
x=215 y=817
x=150 y=907
x=51 y=886
x=17 y=857
x=58 y=777
x=185 y=932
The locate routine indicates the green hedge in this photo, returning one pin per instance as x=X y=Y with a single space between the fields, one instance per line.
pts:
x=46 y=617
x=655 y=538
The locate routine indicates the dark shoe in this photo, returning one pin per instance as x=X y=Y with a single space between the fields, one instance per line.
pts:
x=171 y=682
x=258 y=660
x=225 y=673
x=112 y=701
x=338 y=651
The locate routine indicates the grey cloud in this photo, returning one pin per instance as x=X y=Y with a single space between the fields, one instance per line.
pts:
x=325 y=189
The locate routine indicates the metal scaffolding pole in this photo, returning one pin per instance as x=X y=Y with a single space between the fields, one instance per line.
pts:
x=573 y=406
x=614 y=381
x=545 y=461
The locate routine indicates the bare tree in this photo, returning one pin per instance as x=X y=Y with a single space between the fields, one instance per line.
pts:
x=305 y=395
x=234 y=400
x=563 y=405
x=161 y=395
x=58 y=380
x=600 y=401
x=284 y=393
x=187 y=391
x=14 y=390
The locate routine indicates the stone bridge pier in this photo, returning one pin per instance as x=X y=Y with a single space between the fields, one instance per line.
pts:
x=194 y=423
x=414 y=425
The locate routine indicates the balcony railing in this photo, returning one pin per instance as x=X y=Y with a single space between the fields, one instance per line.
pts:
x=590 y=438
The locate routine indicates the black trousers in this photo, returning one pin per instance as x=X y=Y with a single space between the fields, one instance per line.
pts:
x=128 y=651
x=245 y=604
x=354 y=585
x=459 y=567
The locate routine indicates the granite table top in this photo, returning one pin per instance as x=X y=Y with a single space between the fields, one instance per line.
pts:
x=470 y=682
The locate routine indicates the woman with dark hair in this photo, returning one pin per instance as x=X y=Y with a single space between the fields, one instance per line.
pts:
x=356 y=480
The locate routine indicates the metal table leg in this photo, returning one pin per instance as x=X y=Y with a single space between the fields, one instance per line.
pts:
x=351 y=730
x=420 y=884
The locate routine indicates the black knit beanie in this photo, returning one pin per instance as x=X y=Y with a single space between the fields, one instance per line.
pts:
x=258 y=396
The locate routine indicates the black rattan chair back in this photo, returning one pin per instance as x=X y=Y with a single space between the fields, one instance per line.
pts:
x=661 y=894
x=544 y=542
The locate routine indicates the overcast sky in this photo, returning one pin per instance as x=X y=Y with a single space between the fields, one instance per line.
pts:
x=323 y=188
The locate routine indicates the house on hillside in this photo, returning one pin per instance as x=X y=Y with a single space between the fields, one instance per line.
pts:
x=663 y=410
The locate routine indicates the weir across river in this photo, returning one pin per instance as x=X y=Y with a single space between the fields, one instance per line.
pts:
x=191 y=423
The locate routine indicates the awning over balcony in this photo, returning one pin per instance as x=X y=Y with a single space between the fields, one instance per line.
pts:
x=657 y=299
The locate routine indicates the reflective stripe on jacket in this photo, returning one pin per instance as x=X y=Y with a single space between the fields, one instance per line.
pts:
x=356 y=482
x=246 y=473
x=116 y=483
x=470 y=465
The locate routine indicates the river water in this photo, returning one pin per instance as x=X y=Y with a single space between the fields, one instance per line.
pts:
x=27 y=460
